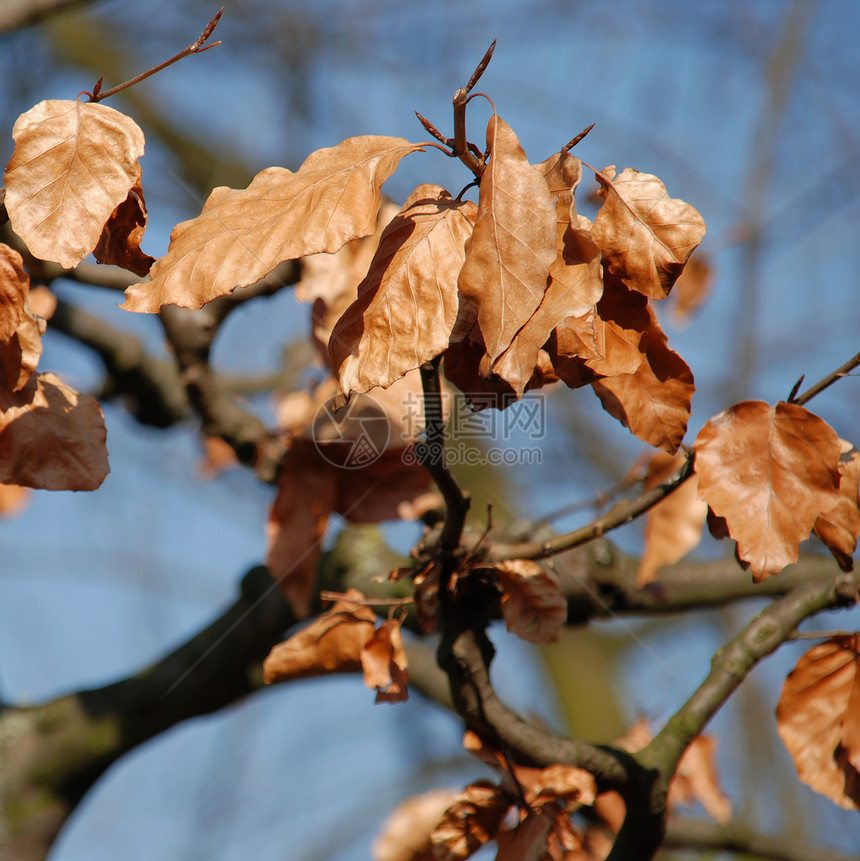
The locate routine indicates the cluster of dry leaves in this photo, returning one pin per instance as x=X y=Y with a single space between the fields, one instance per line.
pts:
x=529 y=812
x=516 y=292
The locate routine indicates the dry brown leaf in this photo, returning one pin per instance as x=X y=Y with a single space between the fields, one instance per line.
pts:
x=576 y=284
x=307 y=494
x=529 y=841
x=654 y=401
x=646 y=236
x=13 y=499
x=571 y=344
x=405 y=834
x=243 y=234
x=472 y=820
x=330 y=282
x=513 y=245
x=770 y=472
x=383 y=660
x=533 y=605
x=674 y=526
x=51 y=437
x=356 y=462
x=839 y=527
x=691 y=289
x=14 y=285
x=565 y=784
x=818 y=719
x=463 y=363
x=73 y=165
x=620 y=324
x=120 y=241
x=696 y=779
x=218 y=457
x=408 y=303
x=330 y=644
x=42 y=302
x=20 y=355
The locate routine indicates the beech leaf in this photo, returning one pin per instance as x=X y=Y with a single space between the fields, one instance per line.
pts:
x=576 y=284
x=14 y=287
x=408 y=303
x=654 y=401
x=330 y=281
x=74 y=163
x=818 y=719
x=839 y=527
x=770 y=472
x=674 y=526
x=330 y=644
x=646 y=236
x=243 y=234
x=472 y=820
x=533 y=605
x=119 y=243
x=405 y=834
x=514 y=242
x=696 y=779
x=51 y=437
x=307 y=493
x=383 y=660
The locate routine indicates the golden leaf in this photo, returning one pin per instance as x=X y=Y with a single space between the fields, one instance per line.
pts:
x=243 y=234
x=330 y=644
x=513 y=245
x=408 y=303
x=74 y=163
x=645 y=235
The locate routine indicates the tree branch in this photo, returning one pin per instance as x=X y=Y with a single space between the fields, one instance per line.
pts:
x=731 y=664
x=734 y=837
x=15 y=14
x=53 y=753
x=151 y=388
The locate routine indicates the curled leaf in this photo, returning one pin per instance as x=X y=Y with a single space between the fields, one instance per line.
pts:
x=533 y=605
x=839 y=527
x=646 y=236
x=408 y=303
x=818 y=719
x=74 y=163
x=330 y=644
x=513 y=245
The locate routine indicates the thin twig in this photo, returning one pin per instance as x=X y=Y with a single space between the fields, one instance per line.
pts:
x=195 y=47
x=829 y=380
x=618 y=515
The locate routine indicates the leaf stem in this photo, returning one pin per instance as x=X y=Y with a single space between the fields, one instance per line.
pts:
x=195 y=47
